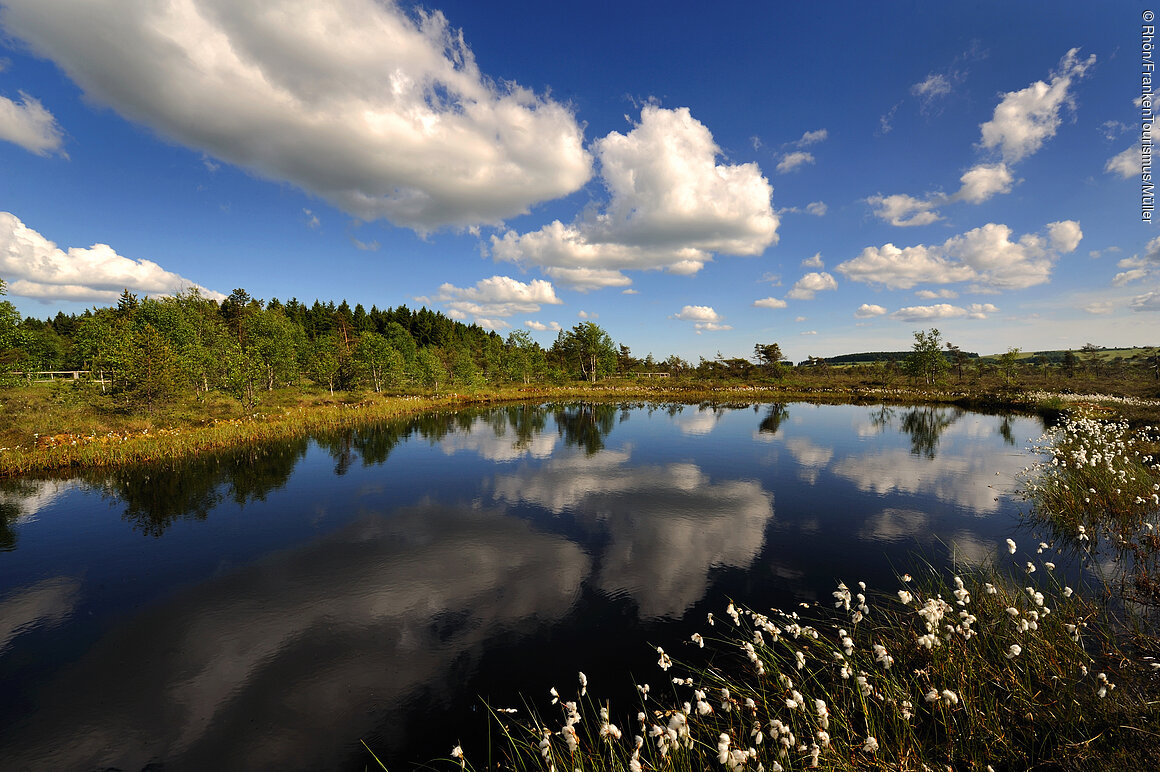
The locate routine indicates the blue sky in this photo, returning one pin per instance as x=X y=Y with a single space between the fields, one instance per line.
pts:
x=693 y=177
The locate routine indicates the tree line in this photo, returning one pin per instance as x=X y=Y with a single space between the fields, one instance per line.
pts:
x=145 y=353
x=148 y=352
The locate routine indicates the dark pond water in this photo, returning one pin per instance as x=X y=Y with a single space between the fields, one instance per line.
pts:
x=268 y=609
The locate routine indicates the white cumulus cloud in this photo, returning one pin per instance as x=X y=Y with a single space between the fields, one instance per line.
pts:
x=380 y=110
x=867 y=310
x=817 y=208
x=770 y=303
x=982 y=181
x=1025 y=119
x=35 y=267
x=30 y=125
x=540 y=326
x=943 y=311
x=1149 y=301
x=698 y=314
x=671 y=206
x=705 y=318
x=903 y=210
x=985 y=256
x=807 y=286
x=812 y=137
x=1126 y=164
x=1064 y=235
x=791 y=161
x=1138 y=267
x=498 y=297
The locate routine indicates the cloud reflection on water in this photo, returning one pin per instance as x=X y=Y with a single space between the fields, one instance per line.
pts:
x=249 y=670
x=280 y=662
x=46 y=603
x=667 y=525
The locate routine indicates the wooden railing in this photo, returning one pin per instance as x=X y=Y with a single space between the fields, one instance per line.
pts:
x=44 y=376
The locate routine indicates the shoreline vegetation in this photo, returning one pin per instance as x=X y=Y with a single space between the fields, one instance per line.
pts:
x=176 y=376
x=64 y=425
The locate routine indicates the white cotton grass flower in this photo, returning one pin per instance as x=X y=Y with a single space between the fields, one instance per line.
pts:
x=870 y=745
x=608 y=730
x=697 y=639
x=703 y=706
x=1014 y=650
x=842 y=596
x=723 y=748
x=570 y=737
x=1011 y=546
x=664 y=662
x=905 y=597
x=457 y=753
x=583 y=684
x=823 y=713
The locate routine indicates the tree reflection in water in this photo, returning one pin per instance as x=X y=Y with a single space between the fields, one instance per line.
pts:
x=586 y=425
x=12 y=493
x=925 y=426
x=1005 y=432
x=156 y=496
x=775 y=414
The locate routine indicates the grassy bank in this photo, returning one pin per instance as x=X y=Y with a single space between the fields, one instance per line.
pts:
x=67 y=425
x=1002 y=666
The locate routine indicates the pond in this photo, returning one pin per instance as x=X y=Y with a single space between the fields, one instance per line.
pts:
x=271 y=607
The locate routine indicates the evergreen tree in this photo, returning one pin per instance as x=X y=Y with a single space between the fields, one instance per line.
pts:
x=149 y=374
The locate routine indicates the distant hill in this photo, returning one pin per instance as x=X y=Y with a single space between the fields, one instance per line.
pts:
x=870 y=357
x=1054 y=357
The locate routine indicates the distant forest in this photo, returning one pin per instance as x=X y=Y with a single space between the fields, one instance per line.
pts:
x=150 y=350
